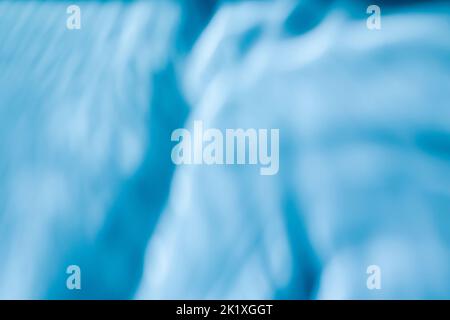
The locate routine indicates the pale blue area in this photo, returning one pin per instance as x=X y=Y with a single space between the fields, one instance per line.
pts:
x=87 y=179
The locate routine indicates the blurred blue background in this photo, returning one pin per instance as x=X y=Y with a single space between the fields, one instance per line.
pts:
x=86 y=176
